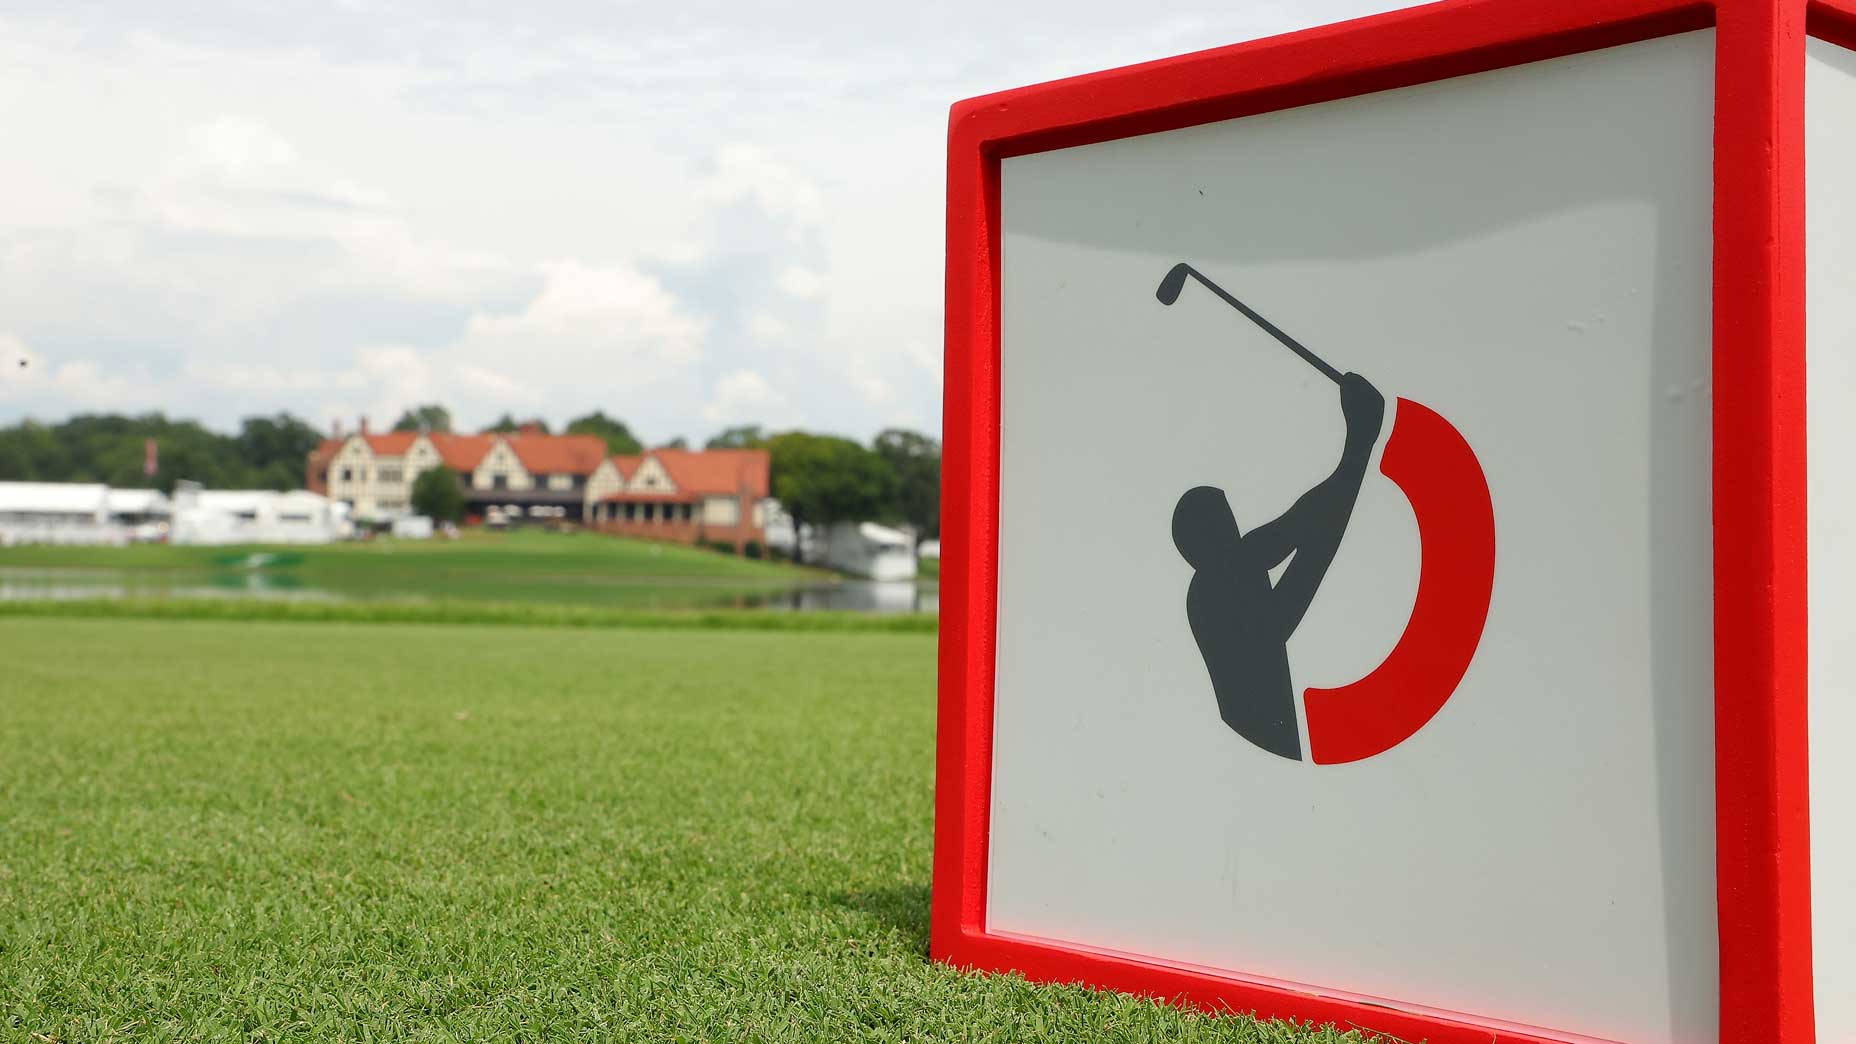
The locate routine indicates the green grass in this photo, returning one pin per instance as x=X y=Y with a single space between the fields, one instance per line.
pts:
x=520 y=566
x=271 y=831
x=521 y=614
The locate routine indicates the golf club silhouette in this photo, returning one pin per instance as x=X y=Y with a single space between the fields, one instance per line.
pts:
x=1434 y=466
x=1175 y=281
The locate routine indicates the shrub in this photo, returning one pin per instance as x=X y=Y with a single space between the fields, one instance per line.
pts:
x=438 y=494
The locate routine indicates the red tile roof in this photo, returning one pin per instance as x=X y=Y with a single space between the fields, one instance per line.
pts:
x=558 y=454
x=543 y=454
x=627 y=463
x=728 y=472
x=391 y=444
x=461 y=452
x=316 y=475
x=694 y=472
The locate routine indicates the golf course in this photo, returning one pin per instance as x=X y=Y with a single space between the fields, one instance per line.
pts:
x=483 y=795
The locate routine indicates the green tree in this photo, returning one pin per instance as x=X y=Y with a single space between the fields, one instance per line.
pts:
x=274 y=450
x=916 y=461
x=619 y=438
x=746 y=436
x=438 y=494
x=822 y=479
x=678 y=443
x=429 y=417
x=32 y=452
x=267 y=452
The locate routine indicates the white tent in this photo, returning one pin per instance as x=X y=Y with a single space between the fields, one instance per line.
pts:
x=256 y=516
x=144 y=512
x=137 y=503
x=79 y=513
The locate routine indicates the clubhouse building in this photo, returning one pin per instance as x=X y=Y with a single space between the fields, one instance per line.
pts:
x=679 y=495
x=719 y=496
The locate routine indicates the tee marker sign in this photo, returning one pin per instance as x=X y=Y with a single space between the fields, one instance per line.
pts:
x=1386 y=577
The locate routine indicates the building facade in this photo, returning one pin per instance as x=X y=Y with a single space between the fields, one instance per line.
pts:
x=687 y=496
x=519 y=475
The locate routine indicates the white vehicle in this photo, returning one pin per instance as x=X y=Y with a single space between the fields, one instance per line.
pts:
x=869 y=550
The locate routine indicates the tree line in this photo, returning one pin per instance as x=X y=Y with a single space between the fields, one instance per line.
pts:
x=817 y=478
x=264 y=453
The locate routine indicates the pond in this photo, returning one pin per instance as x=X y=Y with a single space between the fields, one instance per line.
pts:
x=641 y=592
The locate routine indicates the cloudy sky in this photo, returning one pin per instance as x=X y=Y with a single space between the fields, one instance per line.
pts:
x=690 y=215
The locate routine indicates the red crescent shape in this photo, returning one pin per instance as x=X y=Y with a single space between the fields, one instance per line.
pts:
x=1433 y=464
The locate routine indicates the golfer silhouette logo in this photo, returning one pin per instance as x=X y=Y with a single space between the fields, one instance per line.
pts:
x=1242 y=622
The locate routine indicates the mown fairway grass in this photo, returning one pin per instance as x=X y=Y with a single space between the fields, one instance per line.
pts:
x=511 y=614
x=278 y=831
x=519 y=566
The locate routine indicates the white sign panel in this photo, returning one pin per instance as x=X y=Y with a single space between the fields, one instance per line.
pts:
x=1354 y=580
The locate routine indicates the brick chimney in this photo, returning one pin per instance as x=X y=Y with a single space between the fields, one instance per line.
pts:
x=364 y=426
x=531 y=428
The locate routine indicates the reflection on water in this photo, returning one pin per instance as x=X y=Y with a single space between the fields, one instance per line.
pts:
x=867 y=596
x=18 y=585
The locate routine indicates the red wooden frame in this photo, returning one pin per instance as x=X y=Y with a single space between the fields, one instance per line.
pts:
x=1762 y=814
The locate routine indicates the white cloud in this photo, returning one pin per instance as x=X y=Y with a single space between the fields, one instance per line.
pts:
x=237 y=150
x=29 y=382
x=588 y=333
x=595 y=309
x=17 y=362
x=748 y=172
x=874 y=389
x=496 y=387
x=927 y=358
x=23 y=374
x=745 y=397
x=238 y=179
x=591 y=328
x=233 y=209
x=802 y=283
x=763 y=326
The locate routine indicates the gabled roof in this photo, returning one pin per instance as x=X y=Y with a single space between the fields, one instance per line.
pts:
x=392 y=443
x=558 y=454
x=461 y=452
x=717 y=472
x=627 y=463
